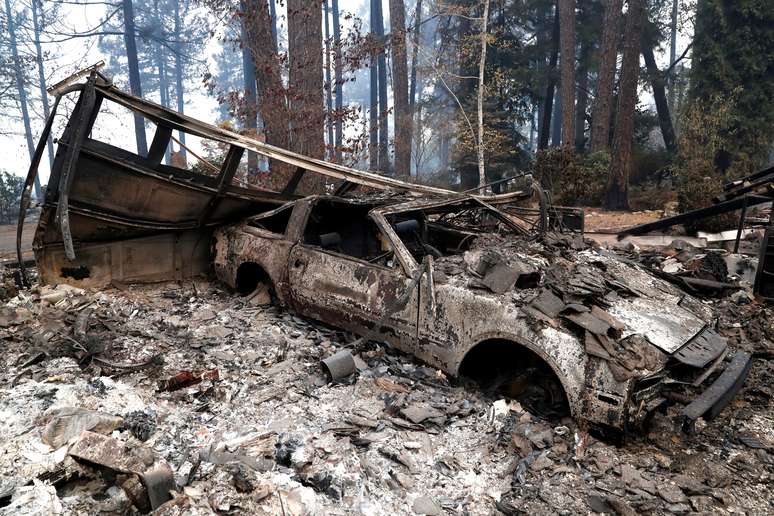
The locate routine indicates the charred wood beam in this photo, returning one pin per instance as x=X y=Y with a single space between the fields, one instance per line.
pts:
x=751 y=177
x=724 y=207
x=294 y=181
x=747 y=185
x=229 y=168
x=159 y=144
x=344 y=188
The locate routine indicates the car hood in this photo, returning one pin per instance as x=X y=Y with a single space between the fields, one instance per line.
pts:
x=590 y=292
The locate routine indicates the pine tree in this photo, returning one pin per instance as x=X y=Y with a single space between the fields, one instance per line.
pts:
x=567 y=43
x=733 y=48
x=603 y=103
x=620 y=166
x=305 y=77
x=21 y=87
x=400 y=90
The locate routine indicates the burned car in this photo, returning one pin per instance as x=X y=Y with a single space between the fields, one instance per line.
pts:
x=458 y=284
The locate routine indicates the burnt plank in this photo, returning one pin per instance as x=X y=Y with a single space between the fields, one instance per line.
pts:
x=159 y=144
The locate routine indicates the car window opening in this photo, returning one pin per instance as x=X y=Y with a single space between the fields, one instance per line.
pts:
x=274 y=223
x=447 y=231
x=347 y=229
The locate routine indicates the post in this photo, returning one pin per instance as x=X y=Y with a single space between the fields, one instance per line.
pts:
x=740 y=228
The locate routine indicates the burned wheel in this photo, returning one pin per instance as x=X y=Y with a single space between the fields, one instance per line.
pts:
x=253 y=283
x=505 y=369
x=535 y=388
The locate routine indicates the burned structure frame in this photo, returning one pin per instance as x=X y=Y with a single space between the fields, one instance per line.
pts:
x=741 y=194
x=93 y=205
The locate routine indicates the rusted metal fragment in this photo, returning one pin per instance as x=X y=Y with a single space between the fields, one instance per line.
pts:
x=157 y=258
x=185 y=379
x=719 y=394
x=503 y=276
x=594 y=346
x=587 y=321
x=155 y=474
x=702 y=349
x=615 y=325
x=75 y=138
x=548 y=303
x=339 y=365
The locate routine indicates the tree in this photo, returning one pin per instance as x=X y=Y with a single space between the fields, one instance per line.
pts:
x=37 y=26
x=733 y=45
x=228 y=78
x=305 y=77
x=505 y=105
x=583 y=97
x=548 y=99
x=567 y=42
x=659 y=95
x=249 y=78
x=672 y=52
x=328 y=83
x=270 y=89
x=603 y=103
x=377 y=29
x=373 y=97
x=11 y=187
x=178 y=46
x=20 y=86
x=617 y=197
x=337 y=77
x=414 y=53
x=480 y=96
x=400 y=91
x=134 y=73
x=588 y=33
x=168 y=40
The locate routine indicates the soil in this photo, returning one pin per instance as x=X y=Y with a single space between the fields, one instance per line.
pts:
x=8 y=240
x=600 y=220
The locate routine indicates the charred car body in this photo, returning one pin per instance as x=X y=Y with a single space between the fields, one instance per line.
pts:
x=450 y=278
x=455 y=283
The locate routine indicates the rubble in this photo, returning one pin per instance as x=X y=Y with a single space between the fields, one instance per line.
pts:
x=69 y=422
x=268 y=437
x=185 y=379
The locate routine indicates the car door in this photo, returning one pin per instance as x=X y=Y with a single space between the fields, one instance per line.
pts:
x=346 y=290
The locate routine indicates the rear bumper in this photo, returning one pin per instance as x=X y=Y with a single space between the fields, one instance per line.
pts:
x=718 y=395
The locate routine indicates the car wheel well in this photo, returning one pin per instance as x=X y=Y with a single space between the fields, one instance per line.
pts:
x=248 y=276
x=507 y=368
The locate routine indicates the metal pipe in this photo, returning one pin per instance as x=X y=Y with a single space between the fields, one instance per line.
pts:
x=339 y=365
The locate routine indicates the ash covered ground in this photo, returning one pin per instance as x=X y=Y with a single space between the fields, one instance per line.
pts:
x=262 y=431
